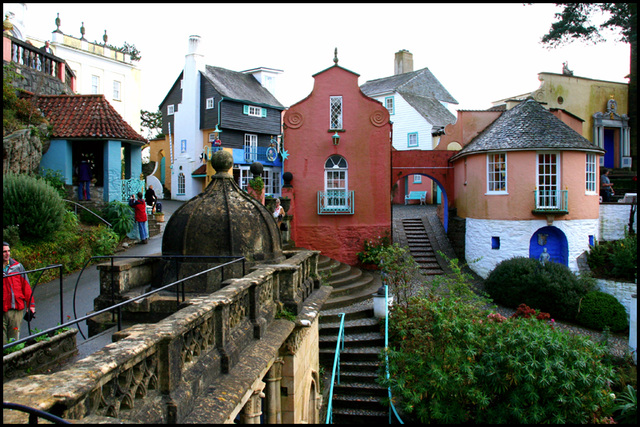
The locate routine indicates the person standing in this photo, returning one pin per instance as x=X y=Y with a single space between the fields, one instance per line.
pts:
x=140 y=210
x=16 y=295
x=606 y=187
x=151 y=198
x=278 y=213
x=84 y=180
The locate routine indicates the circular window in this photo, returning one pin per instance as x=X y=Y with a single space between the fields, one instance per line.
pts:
x=560 y=100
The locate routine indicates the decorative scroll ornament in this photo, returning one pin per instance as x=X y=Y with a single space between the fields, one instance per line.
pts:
x=378 y=118
x=294 y=120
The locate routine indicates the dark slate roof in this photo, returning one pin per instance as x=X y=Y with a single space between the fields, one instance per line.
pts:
x=527 y=126
x=430 y=108
x=85 y=116
x=421 y=83
x=240 y=86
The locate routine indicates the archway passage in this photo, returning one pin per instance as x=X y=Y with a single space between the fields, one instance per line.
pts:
x=554 y=240
x=433 y=164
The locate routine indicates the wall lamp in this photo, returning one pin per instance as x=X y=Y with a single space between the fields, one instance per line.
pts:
x=335 y=138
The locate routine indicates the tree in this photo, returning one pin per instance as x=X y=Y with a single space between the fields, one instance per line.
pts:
x=621 y=18
x=152 y=122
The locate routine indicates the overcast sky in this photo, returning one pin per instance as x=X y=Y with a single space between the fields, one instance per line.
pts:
x=479 y=52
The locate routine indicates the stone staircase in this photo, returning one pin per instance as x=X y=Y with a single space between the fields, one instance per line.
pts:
x=357 y=399
x=420 y=246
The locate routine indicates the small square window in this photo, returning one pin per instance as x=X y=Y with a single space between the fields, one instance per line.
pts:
x=209 y=103
x=170 y=109
x=495 y=242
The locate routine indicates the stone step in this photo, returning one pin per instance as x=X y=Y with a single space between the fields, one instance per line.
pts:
x=352 y=341
x=349 y=299
x=351 y=326
x=328 y=316
x=366 y=354
x=359 y=416
x=359 y=401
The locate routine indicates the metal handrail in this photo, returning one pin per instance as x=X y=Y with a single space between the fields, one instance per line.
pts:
x=336 y=367
x=88 y=210
x=116 y=307
x=386 y=353
x=34 y=413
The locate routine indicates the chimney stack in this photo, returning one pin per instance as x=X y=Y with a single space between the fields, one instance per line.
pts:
x=403 y=62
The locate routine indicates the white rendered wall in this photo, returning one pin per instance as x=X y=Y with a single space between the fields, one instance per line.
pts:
x=407 y=120
x=614 y=220
x=515 y=237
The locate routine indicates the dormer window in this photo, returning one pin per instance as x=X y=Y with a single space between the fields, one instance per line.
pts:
x=253 y=111
x=171 y=109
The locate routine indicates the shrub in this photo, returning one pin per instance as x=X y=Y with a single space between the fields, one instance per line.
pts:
x=373 y=248
x=55 y=179
x=616 y=260
x=551 y=287
x=450 y=362
x=33 y=205
x=398 y=271
x=600 y=310
x=120 y=216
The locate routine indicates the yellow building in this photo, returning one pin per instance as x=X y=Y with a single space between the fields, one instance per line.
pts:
x=602 y=105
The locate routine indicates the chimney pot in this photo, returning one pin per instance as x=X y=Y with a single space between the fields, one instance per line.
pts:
x=403 y=62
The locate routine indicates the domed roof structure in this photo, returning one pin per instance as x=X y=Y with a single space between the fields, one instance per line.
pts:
x=223 y=220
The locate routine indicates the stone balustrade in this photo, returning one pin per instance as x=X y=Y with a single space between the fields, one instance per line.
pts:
x=155 y=373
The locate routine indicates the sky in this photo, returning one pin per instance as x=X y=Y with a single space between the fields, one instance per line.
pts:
x=479 y=52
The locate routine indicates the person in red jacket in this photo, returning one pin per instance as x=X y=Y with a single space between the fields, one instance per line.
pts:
x=140 y=208
x=16 y=295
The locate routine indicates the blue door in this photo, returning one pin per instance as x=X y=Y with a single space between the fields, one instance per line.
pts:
x=609 y=156
x=554 y=240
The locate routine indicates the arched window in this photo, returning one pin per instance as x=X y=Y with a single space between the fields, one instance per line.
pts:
x=336 y=183
x=181 y=184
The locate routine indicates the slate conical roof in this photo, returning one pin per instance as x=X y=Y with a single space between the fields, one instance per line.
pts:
x=527 y=126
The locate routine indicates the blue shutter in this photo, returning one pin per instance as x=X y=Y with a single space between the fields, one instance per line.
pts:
x=264 y=112
x=245 y=109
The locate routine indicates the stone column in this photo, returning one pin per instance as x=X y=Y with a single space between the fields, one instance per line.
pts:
x=252 y=410
x=274 y=405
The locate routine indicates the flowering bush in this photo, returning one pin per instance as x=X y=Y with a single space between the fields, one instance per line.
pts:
x=616 y=260
x=453 y=362
x=373 y=249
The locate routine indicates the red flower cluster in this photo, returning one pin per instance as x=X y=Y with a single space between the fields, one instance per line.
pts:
x=528 y=312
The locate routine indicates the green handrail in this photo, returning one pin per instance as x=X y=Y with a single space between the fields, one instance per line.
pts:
x=386 y=353
x=336 y=366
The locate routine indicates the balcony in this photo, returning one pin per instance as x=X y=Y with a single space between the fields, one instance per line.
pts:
x=260 y=154
x=335 y=202
x=24 y=54
x=551 y=202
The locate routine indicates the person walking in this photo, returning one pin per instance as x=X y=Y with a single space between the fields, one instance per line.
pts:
x=151 y=198
x=140 y=209
x=606 y=187
x=16 y=296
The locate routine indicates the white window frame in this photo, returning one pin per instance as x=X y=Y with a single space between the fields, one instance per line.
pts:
x=209 y=104
x=389 y=104
x=591 y=174
x=335 y=113
x=417 y=179
x=95 y=84
x=336 y=177
x=412 y=142
x=171 y=109
x=548 y=178
x=251 y=145
x=117 y=90
x=497 y=173
x=181 y=184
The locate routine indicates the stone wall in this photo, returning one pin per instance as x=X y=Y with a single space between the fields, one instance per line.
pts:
x=162 y=372
x=623 y=291
x=38 y=82
x=22 y=150
x=614 y=220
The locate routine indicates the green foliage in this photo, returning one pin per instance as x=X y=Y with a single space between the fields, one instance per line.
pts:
x=120 y=216
x=33 y=205
x=256 y=183
x=286 y=314
x=626 y=406
x=373 y=249
x=552 y=288
x=11 y=234
x=70 y=246
x=17 y=113
x=55 y=179
x=399 y=269
x=452 y=362
x=152 y=122
x=600 y=310
x=615 y=260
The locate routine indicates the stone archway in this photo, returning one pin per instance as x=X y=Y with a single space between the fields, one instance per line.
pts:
x=433 y=164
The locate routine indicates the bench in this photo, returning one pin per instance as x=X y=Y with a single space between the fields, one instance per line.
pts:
x=421 y=196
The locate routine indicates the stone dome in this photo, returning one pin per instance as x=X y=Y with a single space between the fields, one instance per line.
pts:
x=223 y=220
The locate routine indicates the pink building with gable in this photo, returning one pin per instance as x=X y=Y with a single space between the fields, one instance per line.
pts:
x=338 y=142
